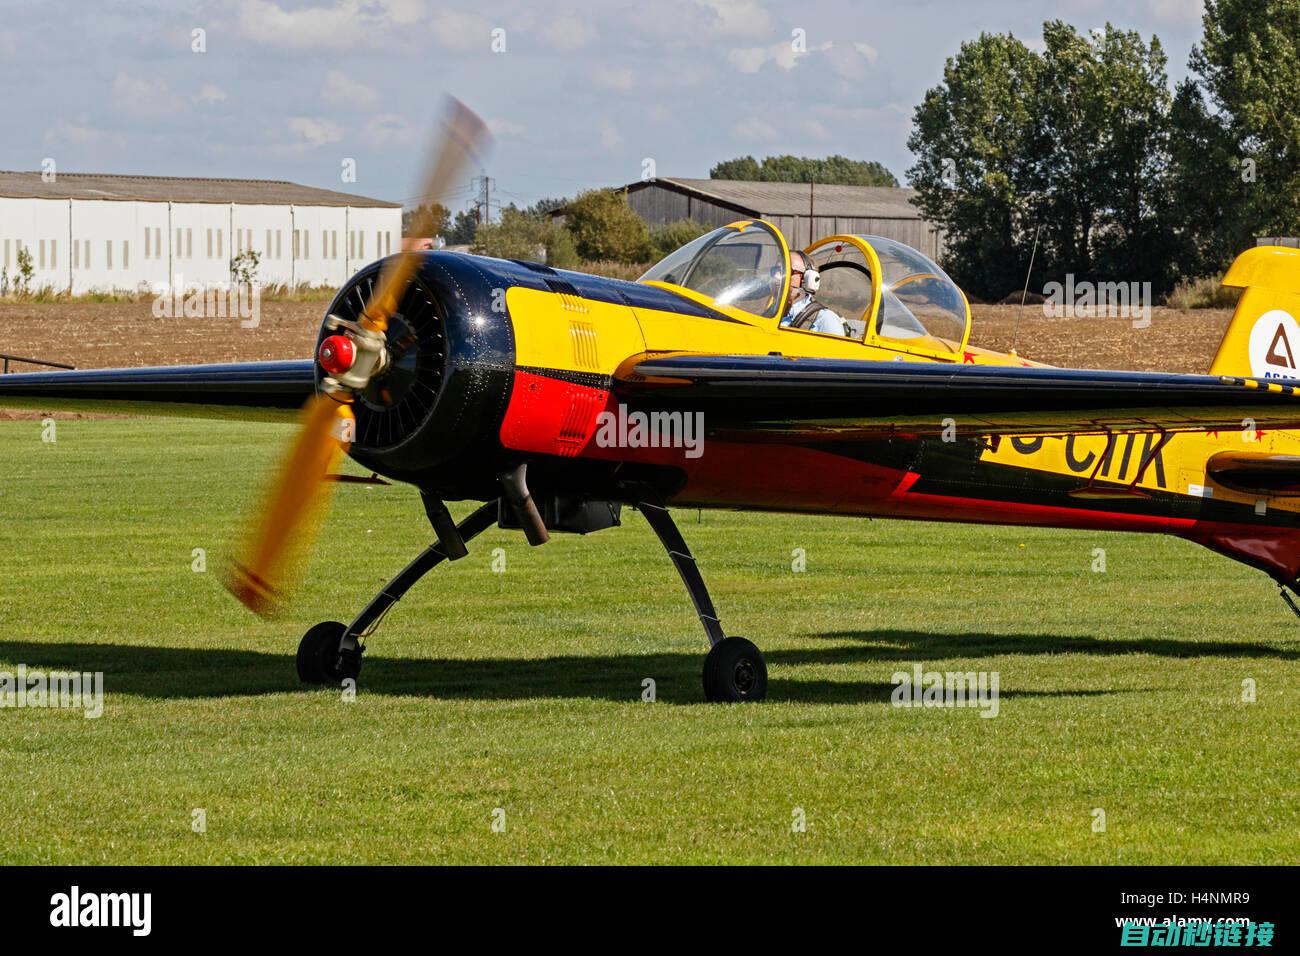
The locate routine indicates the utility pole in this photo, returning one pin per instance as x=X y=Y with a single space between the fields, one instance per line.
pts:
x=483 y=204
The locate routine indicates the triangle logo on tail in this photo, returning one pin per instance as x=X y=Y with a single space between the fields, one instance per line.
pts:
x=1283 y=357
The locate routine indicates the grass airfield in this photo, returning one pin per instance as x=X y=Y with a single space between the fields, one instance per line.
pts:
x=520 y=691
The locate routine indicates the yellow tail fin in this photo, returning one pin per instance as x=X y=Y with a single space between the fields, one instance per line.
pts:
x=1263 y=338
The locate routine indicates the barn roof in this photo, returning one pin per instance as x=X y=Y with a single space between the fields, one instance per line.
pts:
x=28 y=185
x=792 y=199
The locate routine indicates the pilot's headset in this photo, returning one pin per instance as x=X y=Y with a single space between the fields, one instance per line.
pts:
x=812 y=279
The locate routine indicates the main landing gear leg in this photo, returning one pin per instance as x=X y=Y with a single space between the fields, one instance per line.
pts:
x=330 y=652
x=734 y=669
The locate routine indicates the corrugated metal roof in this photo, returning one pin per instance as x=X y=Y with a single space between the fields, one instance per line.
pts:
x=20 y=185
x=792 y=199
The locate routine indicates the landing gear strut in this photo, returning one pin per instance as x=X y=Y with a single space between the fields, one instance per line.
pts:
x=330 y=652
x=734 y=670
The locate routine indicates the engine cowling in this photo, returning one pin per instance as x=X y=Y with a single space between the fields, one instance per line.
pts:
x=432 y=416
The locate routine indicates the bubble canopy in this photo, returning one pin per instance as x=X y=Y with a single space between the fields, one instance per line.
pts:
x=883 y=289
x=743 y=265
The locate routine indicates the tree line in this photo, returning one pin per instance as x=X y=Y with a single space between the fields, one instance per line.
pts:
x=1081 y=157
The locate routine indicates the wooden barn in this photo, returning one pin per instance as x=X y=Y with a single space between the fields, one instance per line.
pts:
x=802 y=211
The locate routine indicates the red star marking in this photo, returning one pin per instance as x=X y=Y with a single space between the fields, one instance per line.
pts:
x=967 y=358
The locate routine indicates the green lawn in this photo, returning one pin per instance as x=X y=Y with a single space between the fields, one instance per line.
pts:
x=521 y=690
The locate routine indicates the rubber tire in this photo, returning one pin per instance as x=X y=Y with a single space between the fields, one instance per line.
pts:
x=735 y=672
x=318 y=654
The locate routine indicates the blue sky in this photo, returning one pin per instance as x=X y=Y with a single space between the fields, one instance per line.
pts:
x=582 y=94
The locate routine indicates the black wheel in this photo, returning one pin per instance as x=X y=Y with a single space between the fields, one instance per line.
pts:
x=321 y=657
x=734 y=671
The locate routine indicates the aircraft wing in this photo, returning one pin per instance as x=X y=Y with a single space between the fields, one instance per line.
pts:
x=250 y=391
x=849 y=400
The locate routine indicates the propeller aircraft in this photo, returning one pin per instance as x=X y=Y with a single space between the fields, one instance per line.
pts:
x=540 y=394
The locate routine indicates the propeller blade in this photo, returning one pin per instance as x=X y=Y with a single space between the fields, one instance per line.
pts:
x=279 y=538
x=462 y=142
x=281 y=533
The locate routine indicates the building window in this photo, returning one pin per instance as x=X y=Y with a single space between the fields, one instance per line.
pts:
x=279 y=254
x=54 y=253
x=189 y=243
x=334 y=243
x=41 y=255
x=6 y=254
x=126 y=254
x=85 y=256
x=108 y=254
x=76 y=254
x=148 y=245
x=157 y=241
x=179 y=244
x=221 y=238
x=324 y=244
x=306 y=244
x=209 y=243
x=268 y=243
x=295 y=244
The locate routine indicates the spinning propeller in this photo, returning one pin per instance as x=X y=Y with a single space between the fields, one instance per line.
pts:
x=285 y=525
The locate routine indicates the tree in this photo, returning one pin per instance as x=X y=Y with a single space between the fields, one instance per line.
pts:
x=26 y=271
x=833 y=170
x=976 y=138
x=1071 y=146
x=441 y=220
x=672 y=236
x=520 y=234
x=1248 y=63
x=463 y=227
x=604 y=227
x=243 y=268
x=1101 y=173
x=544 y=207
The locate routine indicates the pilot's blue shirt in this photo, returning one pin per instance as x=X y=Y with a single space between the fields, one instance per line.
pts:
x=826 y=321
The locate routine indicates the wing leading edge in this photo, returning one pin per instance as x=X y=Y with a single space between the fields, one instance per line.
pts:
x=250 y=391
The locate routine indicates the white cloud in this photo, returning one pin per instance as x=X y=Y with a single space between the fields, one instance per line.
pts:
x=783 y=54
x=738 y=17
x=568 y=33
x=816 y=130
x=342 y=90
x=869 y=52
x=610 y=138
x=342 y=25
x=612 y=78
x=389 y=129
x=144 y=98
x=753 y=130
x=79 y=134
x=1185 y=12
x=209 y=93
x=315 y=132
x=463 y=32
x=501 y=127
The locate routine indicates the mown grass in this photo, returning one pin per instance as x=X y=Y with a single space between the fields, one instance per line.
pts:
x=522 y=690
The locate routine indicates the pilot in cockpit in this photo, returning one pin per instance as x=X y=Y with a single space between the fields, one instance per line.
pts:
x=802 y=311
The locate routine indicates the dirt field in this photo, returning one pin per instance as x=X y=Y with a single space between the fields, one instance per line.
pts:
x=100 y=335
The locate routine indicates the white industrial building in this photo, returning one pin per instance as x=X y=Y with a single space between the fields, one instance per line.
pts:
x=89 y=232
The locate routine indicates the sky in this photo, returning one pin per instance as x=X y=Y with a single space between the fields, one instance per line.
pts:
x=578 y=94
